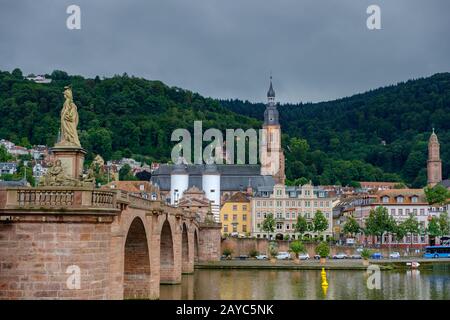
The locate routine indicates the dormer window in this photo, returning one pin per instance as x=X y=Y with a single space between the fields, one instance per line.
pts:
x=385 y=199
x=414 y=199
x=400 y=199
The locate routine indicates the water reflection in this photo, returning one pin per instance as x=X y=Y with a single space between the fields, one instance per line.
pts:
x=306 y=284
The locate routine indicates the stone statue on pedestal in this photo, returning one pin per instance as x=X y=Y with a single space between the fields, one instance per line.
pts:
x=69 y=121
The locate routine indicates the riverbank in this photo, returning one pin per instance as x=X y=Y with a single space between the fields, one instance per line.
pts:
x=346 y=264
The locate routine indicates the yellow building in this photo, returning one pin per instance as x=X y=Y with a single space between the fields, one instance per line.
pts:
x=235 y=215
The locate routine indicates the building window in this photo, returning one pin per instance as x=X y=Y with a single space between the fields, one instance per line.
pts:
x=279 y=226
x=244 y=228
x=212 y=190
x=414 y=199
x=385 y=199
x=234 y=207
x=258 y=225
x=234 y=217
x=258 y=203
x=244 y=207
x=287 y=215
x=279 y=215
x=400 y=199
x=244 y=217
x=287 y=226
x=234 y=228
x=422 y=212
x=225 y=217
x=392 y=211
x=415 y=212
x=225 y=228
x=400 y=212
x=407 y=211
x=258 y=214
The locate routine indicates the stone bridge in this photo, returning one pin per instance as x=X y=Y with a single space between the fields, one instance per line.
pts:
x=79 y=243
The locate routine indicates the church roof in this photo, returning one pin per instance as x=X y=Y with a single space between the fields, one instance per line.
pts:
x=271 y=92
x=238 y=197
x=14 y=183
x=232 y=176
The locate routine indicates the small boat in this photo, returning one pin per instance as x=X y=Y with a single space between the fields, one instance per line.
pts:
x=413 y=264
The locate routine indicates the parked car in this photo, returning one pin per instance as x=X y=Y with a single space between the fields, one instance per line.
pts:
x=283 y=255
x=394 y=255
x=377 y=255
x=360 y=249
x=340 y=256
x=355 y=256
x=316 y=257
x=303 y=256
x=261 y=257
x=243 y=257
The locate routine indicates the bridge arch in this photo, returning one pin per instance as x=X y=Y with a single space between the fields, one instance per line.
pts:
x=136 y=279
x=167 y=256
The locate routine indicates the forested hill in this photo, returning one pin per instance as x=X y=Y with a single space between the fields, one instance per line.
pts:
x=119 y=116
x=387 y=127
x=377 y=135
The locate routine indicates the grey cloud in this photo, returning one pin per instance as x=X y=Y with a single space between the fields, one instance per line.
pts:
x=316 y=49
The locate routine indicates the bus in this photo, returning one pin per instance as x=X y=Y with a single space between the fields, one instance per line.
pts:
x=437 y=252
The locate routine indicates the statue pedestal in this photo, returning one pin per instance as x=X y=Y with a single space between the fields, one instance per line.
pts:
x=72 y=159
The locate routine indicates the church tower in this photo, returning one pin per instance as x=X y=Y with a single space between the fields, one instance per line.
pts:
x=434 y=165
x=272 y=156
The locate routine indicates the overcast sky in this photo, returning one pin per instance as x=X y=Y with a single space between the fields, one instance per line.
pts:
x=316 y=49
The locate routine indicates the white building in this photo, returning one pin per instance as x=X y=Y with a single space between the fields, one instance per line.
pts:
x=286 y=204
x=8 y=168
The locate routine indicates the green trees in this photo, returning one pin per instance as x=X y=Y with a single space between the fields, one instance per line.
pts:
x=297 y=247
x=4 y=155
x=351 y=226
x=411 y=226
x=301 y=226
x=379 y=222
x=125 y=173
x=434 y=228
x=268 y=224
x=437 y=194
x=323 y=250
x=444 y=224
x=320 y=223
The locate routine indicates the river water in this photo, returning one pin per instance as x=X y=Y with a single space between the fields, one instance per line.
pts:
x=433 y=283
